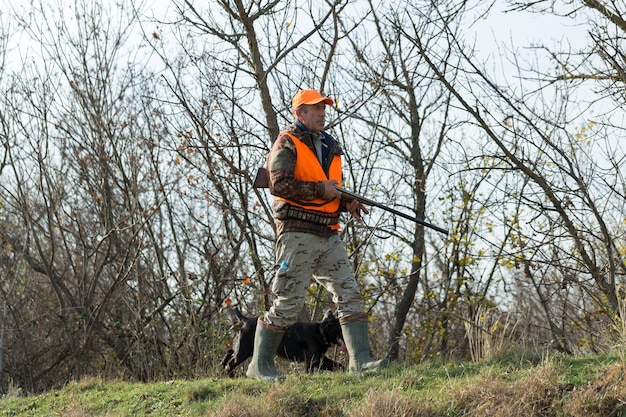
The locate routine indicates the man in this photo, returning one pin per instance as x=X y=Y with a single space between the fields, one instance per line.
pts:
x=304 y=166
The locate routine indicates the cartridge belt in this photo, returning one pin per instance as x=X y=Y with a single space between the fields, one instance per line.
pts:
x=307 y=216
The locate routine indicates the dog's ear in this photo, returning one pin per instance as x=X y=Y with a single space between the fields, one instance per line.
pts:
x=329 y=315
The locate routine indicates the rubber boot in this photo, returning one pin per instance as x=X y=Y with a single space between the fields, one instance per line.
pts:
x=266 y=341
x=356 y=338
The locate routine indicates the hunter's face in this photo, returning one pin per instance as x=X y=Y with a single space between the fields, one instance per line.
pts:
x=313 y=116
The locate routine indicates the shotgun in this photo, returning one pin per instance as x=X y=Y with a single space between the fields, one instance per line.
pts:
x=262 y=181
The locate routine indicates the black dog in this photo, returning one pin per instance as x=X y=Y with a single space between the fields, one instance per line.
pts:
x=302 y=342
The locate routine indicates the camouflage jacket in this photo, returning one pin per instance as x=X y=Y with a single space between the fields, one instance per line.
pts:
x=281 y=162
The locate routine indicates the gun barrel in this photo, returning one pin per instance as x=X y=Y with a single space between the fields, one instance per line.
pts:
x=369 y=202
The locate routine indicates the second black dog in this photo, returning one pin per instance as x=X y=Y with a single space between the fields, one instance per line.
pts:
x=302 y=342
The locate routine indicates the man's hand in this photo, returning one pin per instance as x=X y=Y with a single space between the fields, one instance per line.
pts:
x=330 y=192
x=355 y=207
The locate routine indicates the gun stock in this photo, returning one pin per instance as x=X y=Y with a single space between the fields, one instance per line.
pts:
x=262 y=181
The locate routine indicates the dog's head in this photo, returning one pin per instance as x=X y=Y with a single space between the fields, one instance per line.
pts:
x=331 y=330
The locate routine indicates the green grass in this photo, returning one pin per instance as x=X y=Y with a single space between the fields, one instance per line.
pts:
x=517 y=384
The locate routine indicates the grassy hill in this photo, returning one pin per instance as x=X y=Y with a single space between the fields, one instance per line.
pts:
x=517 y=385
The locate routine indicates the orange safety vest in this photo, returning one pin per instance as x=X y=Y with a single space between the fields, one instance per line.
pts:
x=308 y=168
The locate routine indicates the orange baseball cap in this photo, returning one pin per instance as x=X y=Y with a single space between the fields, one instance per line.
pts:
x=309 y=97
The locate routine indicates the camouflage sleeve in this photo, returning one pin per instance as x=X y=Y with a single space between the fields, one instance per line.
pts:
x=280 y=165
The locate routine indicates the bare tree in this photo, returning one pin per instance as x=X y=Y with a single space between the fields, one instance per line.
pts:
x=536 y=135
x=246 y=72
x=411 y=122
x=78 y=203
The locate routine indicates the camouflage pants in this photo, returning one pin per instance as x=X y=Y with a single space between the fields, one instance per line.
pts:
x=301 y=257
